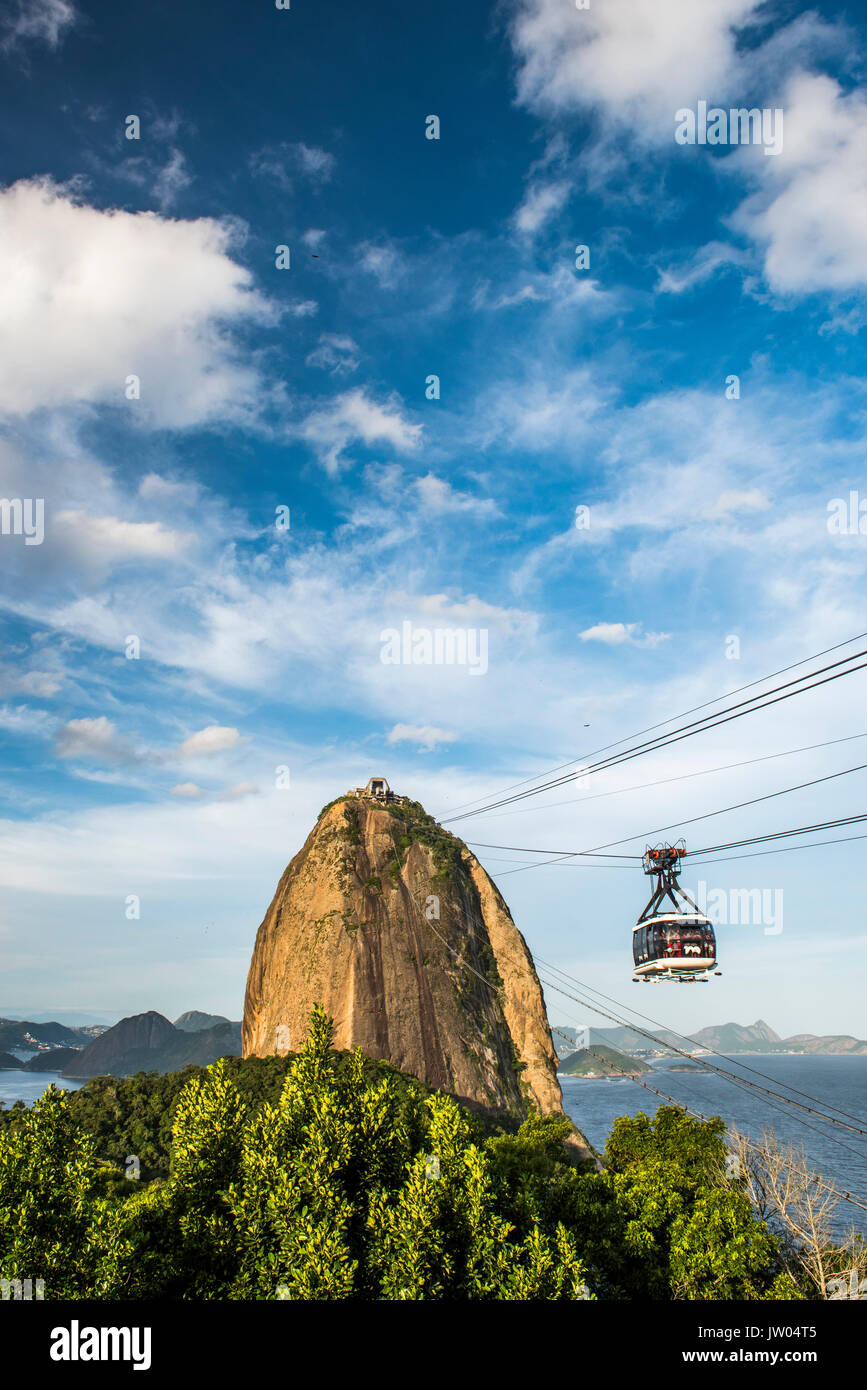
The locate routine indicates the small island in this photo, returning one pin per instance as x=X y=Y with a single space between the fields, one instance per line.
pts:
x=600 y=1062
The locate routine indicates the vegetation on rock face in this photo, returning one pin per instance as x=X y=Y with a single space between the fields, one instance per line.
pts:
x=418 y=827
x=326 y=1176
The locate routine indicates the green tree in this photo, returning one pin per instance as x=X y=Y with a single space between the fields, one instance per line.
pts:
x=48 y=1184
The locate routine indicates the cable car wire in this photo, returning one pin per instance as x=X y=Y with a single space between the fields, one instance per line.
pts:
x=703 y=725
x=712 y=849
x=681 y=777
x=466 y=966
x=845 y=1195
x=682 y=715
x=732 y=859
x=708 y=1066
x=684 y=1037
x=694 y=863
x=740 y=1081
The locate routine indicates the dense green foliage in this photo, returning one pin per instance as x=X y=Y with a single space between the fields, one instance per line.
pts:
x=325 y=1176
x=135 y=1114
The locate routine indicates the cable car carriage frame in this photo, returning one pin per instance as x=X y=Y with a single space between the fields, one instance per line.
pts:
x=671 y=945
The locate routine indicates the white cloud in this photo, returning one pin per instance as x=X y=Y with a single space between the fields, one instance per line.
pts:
x=541 y=202
x=438 y=497
x=91 y=297
x=733 y=501
x=426 y=736
x=384 y=262
x=172 y=179
x=701 y=267
x=354 y=416
x=22 y=719
x=809 y=213
x=543 y=409
x=98 y=739
x=335 y=353
x=114 y=538
x=637 y=64
x=238 y=792
x=189 y=790
x=92 y=738
x=42 y=684
x=618 y=634
x=562 y=288
x=42 y=20
x=214 y=739
x=163 y=181
x=282 y=163
x=639 y=60
x=315 y=161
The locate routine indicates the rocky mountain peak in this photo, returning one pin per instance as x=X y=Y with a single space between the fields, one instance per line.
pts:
x=390 y=923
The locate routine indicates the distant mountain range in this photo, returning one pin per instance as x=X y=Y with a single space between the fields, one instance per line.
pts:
x=144 y=1042
x=31 y=1035
x=149 y=1042
x=73 y=1018
x=725 y=1037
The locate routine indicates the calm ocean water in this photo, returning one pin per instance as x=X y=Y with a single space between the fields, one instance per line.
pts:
x=28 y=1085
x=837 y=1081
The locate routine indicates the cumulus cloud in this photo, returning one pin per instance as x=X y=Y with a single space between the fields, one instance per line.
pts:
x=352 y=417
x=99 y=740
x=42 y=684
x=189 y=790
x=112 y=537
x=426 y=736
x=216 y=738
x=619 y=634
x=92 y=738
x=808 y=215
x=92 y=297
x=636 y=64
x=640 y=61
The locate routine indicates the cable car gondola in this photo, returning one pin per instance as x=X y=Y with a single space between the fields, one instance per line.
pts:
x=678 y=945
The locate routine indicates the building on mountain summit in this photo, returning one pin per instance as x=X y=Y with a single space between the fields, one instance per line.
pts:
x=377 y=788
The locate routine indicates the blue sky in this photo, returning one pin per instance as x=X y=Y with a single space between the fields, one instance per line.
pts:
x=305 y=388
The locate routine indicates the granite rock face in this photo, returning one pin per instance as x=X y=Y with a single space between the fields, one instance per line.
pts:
x=392 y=925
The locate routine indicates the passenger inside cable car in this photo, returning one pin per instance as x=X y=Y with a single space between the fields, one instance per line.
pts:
x=664 y=941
